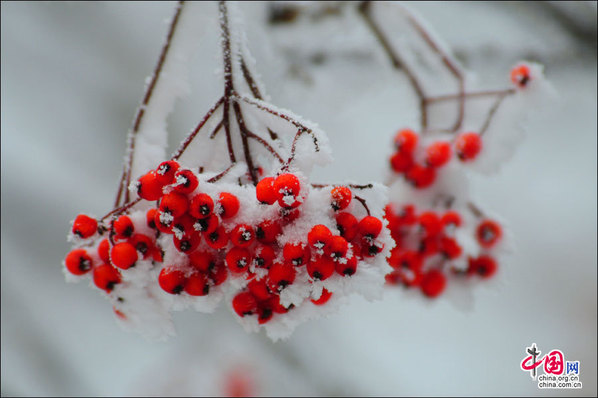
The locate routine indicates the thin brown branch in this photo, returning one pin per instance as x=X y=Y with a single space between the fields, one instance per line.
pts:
x=363 y=202
x=245 y=142
x=121 y=209
x=228 y=78
x=250 y=80
x=126 y=175
x=216 y=178
x=216 y=130
x=475 y=210
x=354 y=186
x=265 y=145
x=491 y=113
x=474 y=94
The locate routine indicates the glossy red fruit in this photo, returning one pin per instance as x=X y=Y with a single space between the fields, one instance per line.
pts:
x=323 y=299
x=429 y=246
x=450 y=248
x=430 y=223
x=166 y=170
x=123 y=255
x=484 y=266
x=242 y=235
x=84 y=226
x=143 y=244
x=400 y=161
x=371 y=249
x=264 y=257
x=488 y=233
x=244 y=304
x=150 y=217
x=163 y=222
x=289 y=215
x=337 y=247
x=174 y=203
x=123 y=227
x=296 y=254
x=202 y=261
x=280 y=276
x=238 y=259
x=287 y=187
x=433 y=283
x=218 y=274
x=201 y=206
x=438 y=154
x=346 y=223
x=451 y=218
x=216 y=239
x=405 y=259
x=346 y=266
x=319 y=236
x=265 y=192
x=187 y=242
x=259 y=289
x=104 y=250
x=172 y=280
x=184 y=225
x=421 y=176
x=185 y=182
x=406 y=140
x=207 y=225
x=197 y=284
x=321 y=268
x=267 y=231
x=341 y=198
x=370 y=227
x=468 y=146
x=149 y=186
x=521 y=75
x=106 y=277
x=229 y=205
x=78 y=262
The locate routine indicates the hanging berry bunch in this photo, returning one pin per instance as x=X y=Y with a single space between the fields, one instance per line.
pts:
x=439 y=233
x=234 y=217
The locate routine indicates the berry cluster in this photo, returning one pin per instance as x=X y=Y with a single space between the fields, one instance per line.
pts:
x=260 y=238
x=428 y=248
x=422 y=174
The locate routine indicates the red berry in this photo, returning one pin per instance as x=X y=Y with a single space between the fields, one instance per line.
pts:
x=488 y=233
x=244 y=304
x=405 y=260
x=218 y=274
x=319 y=236
x=421 y=176
x=259 y=289
x=78 y=262
x=393 y=278
x=175 y=204
x=84 y=226
x=451 y=218
x=123 y=255
x=265 y=192
x=485 y=266
x=143 y=244
x=450 y=248
x=201 y=206
x=337 y=247
x=401 y=161
x=321 y=268
x=430 y=223
x=229 y=205
x=206 y=225
x=150 y=218
x=242 y=235
x=104 y=250
x=197 y=284
x=264 y=257
x=287 y=187
x=521 y=75
x=429 y=246
x=407 y=215
x=341 y=198
x=267 y=231
x=163 y=222
x=184 y=225
x=105 y=277
x=216 y=239
x=347 y=268
x=323 y=299
x=296 y=254
x=289 y=215
x=370 y=227
x=157 y=254
x=280 y=276
x=166 y=170
x=438 y=154
x=202 y=261
x=172 y=280
x=468 y=146
x=123 y=227
x=406 y=140
x=185 y=181
x=149 y=186
x=346 y=223
x=238 y=259
x=187 y=242
x=371 y=249
x=433 y=283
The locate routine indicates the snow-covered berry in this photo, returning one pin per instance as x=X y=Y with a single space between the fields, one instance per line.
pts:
x=84 y=226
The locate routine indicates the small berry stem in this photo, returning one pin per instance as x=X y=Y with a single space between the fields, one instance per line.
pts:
x=121 y=209
x=475 y=210
x=473 y=94
x=217 y=177
x=491 y=113
x=363 y=202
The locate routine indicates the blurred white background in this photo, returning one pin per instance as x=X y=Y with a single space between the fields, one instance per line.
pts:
x=72 y=76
